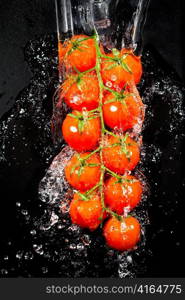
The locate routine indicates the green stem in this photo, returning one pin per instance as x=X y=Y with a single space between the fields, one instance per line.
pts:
x=120 y=218
x=111 y=91
x=108 y=57
x=93 y=189
x=88 y=71
x=111 y=133
x=94 y=110
x=90 y=154
x=113 y=174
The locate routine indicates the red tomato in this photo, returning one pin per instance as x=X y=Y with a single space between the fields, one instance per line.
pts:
x=134 y=63
x=83 y=173
x=86 y=214
x=79 y=52
x=122 y=194
x=122 y=111
x=81 y=131
x=120 y=68
x=81 y=92
x=120 y=153
x=122 y=235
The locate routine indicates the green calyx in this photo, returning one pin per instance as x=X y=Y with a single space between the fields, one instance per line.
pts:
x=121 y=142
x=87 y=195
x=124 y=146
x=82 y=163
x=117 y=60
x=83 y=118
x=117 y=98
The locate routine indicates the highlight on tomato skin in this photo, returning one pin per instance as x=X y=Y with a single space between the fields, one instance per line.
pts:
x=123 y=234
x=124 y=194
x=81 y=131
x=119 y=68
x=81 y=92
x=87 y=213
x=122 y=111
x=120 y=153
x=82 y=173
x=79 y=53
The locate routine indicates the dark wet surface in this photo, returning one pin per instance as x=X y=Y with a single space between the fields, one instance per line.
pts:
x=39 y=240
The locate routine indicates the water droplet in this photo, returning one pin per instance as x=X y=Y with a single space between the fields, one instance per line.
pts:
x=38 y=249
x=72 y=246
x=24 y=212
x=80 y=246
x=33 y=232
x=22 y=111
x=19 y=255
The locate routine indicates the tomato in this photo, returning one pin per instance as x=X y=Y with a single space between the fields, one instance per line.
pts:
x=122 y=111
x=122 y=194
x=120 y=153
x=81 y=92
x=83 y=173
x=122 y=235
x=134 y=63
x=88 y=213
x=81 y=130
x=79 y=53
x=119 y=68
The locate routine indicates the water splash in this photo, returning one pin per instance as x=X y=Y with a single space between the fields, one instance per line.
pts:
x=67 y=250
x=118 y=24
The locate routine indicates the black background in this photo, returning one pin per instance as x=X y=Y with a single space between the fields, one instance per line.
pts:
x=22 y=20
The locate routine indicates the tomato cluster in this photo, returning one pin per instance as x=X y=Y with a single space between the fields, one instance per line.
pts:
x=105 y=111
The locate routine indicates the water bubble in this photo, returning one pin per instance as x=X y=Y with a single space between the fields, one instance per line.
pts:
x=33 y=232
x=60 y=226
x=28 y=255
x=24 y=212
x=72 y=246
x=86 y=239
x=21 y=111
x=113 y=77
x=80 y=246
x=19 y=254
x=109 y=84
x=129 y=259
x=38 y=249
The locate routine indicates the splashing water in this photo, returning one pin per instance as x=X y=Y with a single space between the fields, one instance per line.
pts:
x=47 y=232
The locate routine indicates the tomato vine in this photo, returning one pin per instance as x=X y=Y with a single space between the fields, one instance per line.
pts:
x=104 y=131
x=97 y=82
